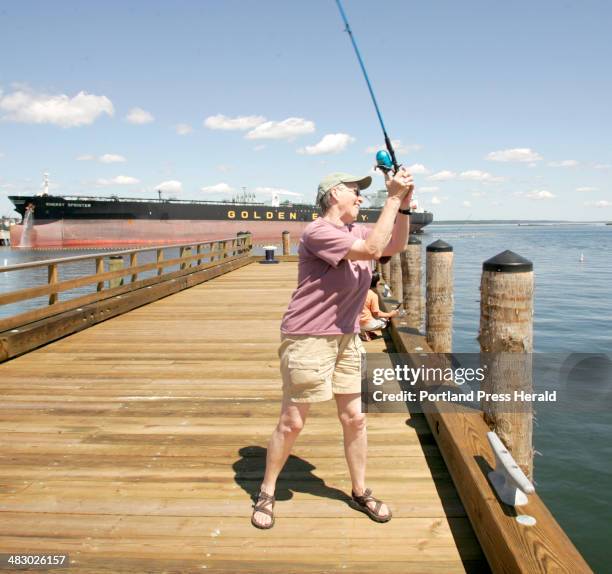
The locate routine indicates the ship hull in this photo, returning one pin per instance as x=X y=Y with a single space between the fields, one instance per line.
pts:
x=61 y=222
x=104 y=232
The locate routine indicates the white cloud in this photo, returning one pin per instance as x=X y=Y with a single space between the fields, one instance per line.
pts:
x=106 y=158
x=477 y=175
x=217 y=188
x=111 y=158
x=28 y=107
x=444 y=175
x=478 y=194
x=539 y=194
x=259 y=147
x=416 y=168
x=398 y=147
x=435 y=200
x=331 y=143
x=138 y=116
x=602 y=166
x=183 y=129
x=466 y=204
x=221 y=122
x=287 y=129
x=519 y=154
x=119 y=180
x=564 y=163
x=601 y=203
x=586 y=189
x=278 y=190
x=428 y=189
x=171 y=186
x=224 y=168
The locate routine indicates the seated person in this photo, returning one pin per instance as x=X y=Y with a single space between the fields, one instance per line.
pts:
x=372 y=318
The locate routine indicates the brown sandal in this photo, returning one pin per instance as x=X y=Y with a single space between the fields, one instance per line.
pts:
x=263 y=499
x=361 y=503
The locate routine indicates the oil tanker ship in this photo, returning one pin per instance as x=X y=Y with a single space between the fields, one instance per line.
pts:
x=55 y=221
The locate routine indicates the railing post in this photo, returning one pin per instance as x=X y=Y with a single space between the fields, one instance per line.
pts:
x=134 y=263
x=199 y=252
x=160 y=259
x=244 y=238
x=439 y=297
x=115 y=263
x=286 y=243
x=506 y=344
x=185 y=252
x=99 y=271
x=52 y=278
x=411 y=277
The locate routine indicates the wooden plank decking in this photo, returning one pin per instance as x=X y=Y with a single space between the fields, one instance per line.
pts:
x=136 y=445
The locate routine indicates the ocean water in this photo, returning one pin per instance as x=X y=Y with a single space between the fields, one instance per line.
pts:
x=573 y=314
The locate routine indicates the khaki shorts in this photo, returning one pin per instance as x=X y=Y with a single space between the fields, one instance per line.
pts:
x=314 y=368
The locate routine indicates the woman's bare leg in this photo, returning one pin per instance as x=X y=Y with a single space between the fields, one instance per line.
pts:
x=290 y=423
x=355 y=442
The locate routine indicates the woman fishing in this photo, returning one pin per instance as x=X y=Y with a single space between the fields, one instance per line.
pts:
x=320 y=352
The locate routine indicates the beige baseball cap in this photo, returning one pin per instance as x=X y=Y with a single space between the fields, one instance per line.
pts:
x=338 y=177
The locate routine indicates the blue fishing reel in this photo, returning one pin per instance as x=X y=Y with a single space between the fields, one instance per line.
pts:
x=383 y=161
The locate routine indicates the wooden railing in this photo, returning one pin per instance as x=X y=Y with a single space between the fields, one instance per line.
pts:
x=118 y=279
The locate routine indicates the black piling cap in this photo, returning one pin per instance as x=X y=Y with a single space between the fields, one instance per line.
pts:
x=414 y=240
x=439 y=247
x=287 y=232
x=507 y=262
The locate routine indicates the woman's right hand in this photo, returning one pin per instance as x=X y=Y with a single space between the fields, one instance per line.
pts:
x=400 y=185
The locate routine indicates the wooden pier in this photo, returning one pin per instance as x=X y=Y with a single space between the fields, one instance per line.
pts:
x=136 y=445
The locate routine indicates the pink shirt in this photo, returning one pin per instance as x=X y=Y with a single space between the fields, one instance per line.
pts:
x=331 y=290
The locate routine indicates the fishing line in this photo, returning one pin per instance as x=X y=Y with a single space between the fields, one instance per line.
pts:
x=384 y=161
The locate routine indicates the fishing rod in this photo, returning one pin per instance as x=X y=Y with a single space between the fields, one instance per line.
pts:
x=385 y=160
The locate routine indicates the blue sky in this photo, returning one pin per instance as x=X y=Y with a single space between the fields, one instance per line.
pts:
x=502 y=108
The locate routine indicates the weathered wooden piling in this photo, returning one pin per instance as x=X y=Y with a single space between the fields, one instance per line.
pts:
x=411 y=278
x=286 y=243
x=115 y=263
x=439 y=296
x=385 y=272
x=506 y=344
x=395 y=277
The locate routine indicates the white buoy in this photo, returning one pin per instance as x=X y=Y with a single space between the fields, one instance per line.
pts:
x=581 y=257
